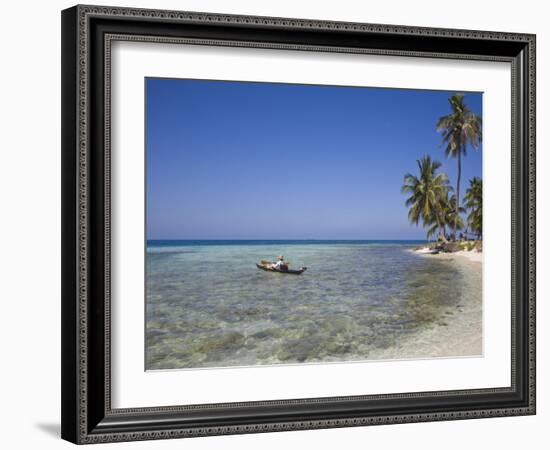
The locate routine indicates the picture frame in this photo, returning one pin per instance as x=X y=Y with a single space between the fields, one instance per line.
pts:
x=87 y=412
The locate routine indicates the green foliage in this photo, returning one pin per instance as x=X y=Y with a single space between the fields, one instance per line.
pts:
x=459 y=129
x=452 y=219
x=428 y=194
x=473 y=201
x=444 y=216
x=431 y=200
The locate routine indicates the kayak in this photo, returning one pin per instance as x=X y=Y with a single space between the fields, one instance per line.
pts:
x=288 y=271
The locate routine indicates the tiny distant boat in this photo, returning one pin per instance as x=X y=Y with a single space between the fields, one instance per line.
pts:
x=266 y=265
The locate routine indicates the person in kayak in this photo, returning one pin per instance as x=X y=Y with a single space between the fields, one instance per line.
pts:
x=280 y=262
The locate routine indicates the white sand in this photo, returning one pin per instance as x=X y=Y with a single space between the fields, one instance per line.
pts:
x=423 y=250
x=472 y=255
x=459 y=334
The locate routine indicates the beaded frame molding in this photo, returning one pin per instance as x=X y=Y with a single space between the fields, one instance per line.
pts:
x=87 y=35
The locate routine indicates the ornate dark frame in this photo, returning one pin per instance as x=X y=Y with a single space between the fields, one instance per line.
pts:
x=87 y=33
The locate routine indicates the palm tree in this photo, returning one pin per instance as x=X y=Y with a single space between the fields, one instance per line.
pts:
x=428 y=193
x=452 y=219
x=433 y=230
x=473 y=200
x=460 y=128
x=447 y=217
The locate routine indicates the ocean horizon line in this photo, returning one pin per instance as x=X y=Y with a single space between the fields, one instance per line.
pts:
x=277 y=239
x=161 y=242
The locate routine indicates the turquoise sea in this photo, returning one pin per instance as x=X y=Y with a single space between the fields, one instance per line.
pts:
x=207 y=305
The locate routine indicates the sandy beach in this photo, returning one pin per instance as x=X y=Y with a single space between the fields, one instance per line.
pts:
x=460 y=332
x=472 y=255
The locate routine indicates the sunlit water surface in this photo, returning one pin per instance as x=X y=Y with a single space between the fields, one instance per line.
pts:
x=209 y=306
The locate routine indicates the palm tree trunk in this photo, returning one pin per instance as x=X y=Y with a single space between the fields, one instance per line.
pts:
x=457 y=194
x=442 y=231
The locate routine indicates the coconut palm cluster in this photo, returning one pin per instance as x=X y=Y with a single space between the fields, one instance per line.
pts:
x=432 y=201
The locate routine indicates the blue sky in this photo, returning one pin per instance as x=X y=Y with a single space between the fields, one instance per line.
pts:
x=231 y=160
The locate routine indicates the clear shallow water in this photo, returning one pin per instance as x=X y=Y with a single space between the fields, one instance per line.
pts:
x=209 y=306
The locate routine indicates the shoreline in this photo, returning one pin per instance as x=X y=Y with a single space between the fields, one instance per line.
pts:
x=458 y=332
x=256 y=325
x=473 y=255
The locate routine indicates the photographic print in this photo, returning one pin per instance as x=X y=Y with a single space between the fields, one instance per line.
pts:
x=279 y=205
x=308 y=224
